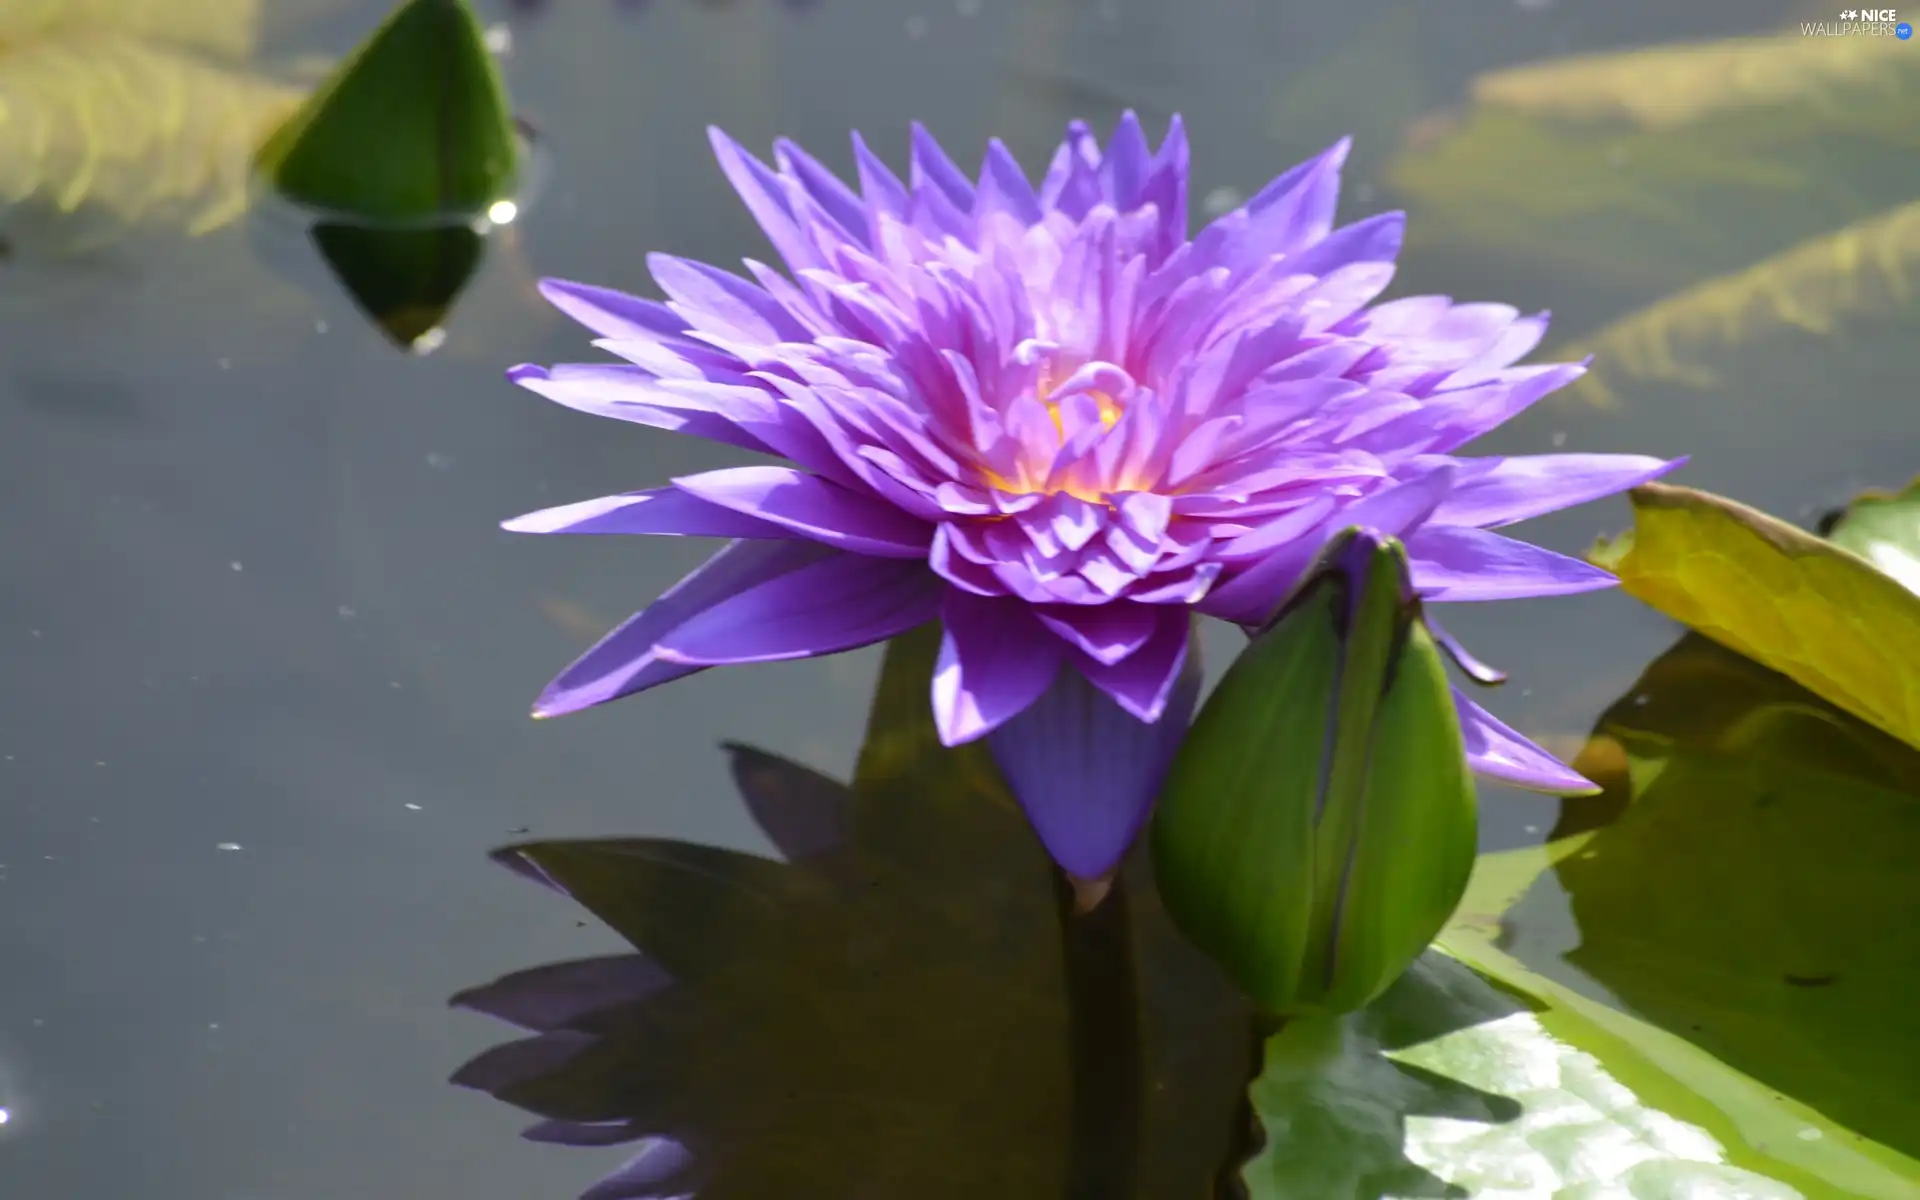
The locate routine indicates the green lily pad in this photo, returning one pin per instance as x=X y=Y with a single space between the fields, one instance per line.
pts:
x=1693 y=1109
x=1884 y=529
x=414 y=126
x=1755 y=891
x=1822 y=615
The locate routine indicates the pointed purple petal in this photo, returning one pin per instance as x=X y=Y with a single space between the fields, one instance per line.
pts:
x=838 y=603
x=1086 y=771
x=1369 y=240
x=995 y=660
x=583 y=1133
x=1105 y=633
x=814 y=507
x=514 y=1063
x=1392 y=511
x=556 y=996
x=664 y=511
x=765 y=196
x=1456 y=418
x=1495 y=751
x=824 y=188
x=1143 y=682
x=1480 y=672
x=1499 y=491
x=627 y=395
x=801 y=811
x=1455 y=563
x=644 y=1175
x=1004 y=187
x=716 y=302
x=931 y=166
x=624 y=661
x=610 y=313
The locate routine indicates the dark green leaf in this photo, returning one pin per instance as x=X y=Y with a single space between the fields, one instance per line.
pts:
x=413 y=126
x=405 y=280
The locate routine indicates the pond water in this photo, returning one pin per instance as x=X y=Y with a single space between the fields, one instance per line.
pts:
x=267 y=656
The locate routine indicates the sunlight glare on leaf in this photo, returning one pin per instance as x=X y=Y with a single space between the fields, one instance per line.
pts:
x=1884 y=529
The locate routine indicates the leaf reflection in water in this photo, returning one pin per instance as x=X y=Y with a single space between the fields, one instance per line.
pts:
x=891 y=1013
x=1774 y=837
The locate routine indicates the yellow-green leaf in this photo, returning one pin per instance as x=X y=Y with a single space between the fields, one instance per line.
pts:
x=1819 y=614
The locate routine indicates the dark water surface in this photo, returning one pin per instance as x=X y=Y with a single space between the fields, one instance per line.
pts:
x=266 y=657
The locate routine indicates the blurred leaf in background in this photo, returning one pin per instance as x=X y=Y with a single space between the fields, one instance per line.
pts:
x=122 y=112
x=1657 y=167
x=1736 y=202
x=1864 y=274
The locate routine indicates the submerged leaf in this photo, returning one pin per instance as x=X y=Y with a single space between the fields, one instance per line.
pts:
x=1651 y=169
x=224 y=28
x=1819 y=614
x=129 y=130
x=1668 y=87
x=1869 y=270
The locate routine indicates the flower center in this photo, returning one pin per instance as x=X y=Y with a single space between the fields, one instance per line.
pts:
x=1036 y=472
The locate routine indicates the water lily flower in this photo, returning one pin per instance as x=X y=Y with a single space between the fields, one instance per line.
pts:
x=1045 y=417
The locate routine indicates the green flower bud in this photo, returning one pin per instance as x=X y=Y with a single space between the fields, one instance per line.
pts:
x=1317 y=827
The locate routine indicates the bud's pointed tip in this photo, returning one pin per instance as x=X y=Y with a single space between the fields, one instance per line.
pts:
x=1088 y=894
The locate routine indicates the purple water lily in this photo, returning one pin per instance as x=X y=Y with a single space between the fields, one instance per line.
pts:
x=1047 y=419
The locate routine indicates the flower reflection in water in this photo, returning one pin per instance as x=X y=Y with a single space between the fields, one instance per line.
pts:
x=886 y=1008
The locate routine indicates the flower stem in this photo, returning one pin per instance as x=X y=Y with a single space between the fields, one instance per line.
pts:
x=1103 y=1015
x=1249 y=1134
